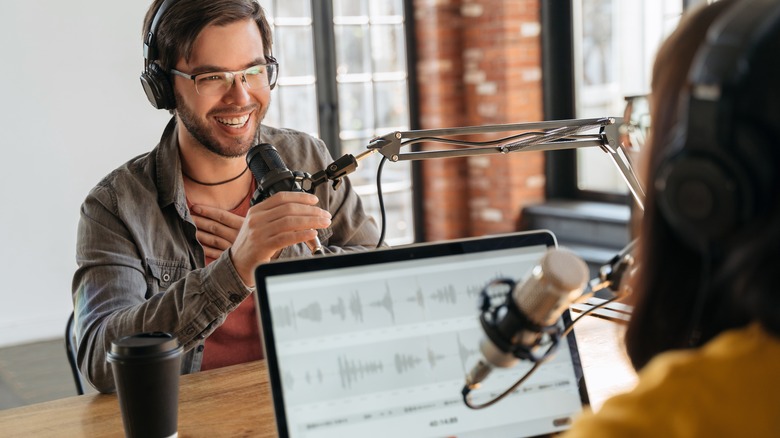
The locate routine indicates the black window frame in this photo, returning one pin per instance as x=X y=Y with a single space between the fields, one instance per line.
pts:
x=559 y=103
x=327 y=92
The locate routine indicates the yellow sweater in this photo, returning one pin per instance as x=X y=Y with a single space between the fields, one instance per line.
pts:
x=728 y=388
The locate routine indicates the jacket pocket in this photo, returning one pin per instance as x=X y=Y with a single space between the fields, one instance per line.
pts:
x=166 y=272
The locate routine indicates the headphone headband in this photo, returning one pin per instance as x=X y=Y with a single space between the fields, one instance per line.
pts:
x=731 y=42
x=150 y=42
x=155 y=81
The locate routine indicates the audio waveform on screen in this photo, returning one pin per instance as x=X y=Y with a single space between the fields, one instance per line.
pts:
x=406 y=362
x=433 y=360
x=464 y=353
x=383 y=366
x=355 y=308
x=387 y=303
x=351 y=370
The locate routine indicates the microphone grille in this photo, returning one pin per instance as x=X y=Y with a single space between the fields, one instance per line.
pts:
x=555 y=284
x=263 y=158
x=564 y=269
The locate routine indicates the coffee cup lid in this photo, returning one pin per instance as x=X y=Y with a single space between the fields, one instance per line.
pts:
x=144 y=344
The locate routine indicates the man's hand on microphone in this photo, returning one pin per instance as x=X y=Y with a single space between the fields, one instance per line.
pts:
x=284 y=219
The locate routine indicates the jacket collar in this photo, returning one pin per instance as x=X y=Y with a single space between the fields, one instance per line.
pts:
x=167 y=160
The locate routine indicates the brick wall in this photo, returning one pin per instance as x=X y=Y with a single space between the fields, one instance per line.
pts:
x=479 y=63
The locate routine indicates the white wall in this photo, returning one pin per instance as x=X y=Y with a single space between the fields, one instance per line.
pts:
x=71 y=110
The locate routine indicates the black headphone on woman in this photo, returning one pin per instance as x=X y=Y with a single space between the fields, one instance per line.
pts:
x=717 y=175
x=156 y=81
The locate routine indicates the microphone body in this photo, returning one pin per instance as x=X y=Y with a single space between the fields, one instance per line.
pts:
x=273 y=176
x=531 y=306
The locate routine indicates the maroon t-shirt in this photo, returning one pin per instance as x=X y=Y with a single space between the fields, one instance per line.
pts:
x=237 y=340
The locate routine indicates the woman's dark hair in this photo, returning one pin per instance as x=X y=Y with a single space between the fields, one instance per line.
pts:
x=185 y=19
x=675 y=282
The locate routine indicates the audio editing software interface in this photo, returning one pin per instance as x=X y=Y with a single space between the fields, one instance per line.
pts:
x=382 y=350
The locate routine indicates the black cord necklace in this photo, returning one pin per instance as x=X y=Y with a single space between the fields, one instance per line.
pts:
x=219 y=183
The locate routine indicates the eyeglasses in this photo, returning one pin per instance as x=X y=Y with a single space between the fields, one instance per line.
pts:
x=217 y=83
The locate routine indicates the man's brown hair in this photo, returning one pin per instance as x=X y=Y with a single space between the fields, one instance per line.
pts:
x=183 y=21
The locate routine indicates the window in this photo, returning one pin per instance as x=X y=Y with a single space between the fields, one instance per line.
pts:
x=343 y=78
x=597 y=54
x=294 y=104
x=615 y=42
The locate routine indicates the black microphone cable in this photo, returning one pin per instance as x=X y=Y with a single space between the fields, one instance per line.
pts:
x=380 y=198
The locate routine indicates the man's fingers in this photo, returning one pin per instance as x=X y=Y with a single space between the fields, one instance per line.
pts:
x=213 y=227
x=288 y=238
x=217 y=215
x=289 y=197
x=284 y=219
x=293 y=223
x=272 y=223
x=212 y=253
x=282 y=211
x=212 y=241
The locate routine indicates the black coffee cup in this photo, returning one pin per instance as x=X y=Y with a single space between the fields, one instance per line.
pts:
x=146 y=372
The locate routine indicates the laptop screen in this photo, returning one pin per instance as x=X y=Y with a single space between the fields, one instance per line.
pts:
x=378 y=344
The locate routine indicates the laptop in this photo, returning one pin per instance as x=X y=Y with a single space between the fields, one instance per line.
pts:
x=378 y=344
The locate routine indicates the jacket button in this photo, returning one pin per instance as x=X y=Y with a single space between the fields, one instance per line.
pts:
x=201 y=348
x=166 y=277
x=235 y=298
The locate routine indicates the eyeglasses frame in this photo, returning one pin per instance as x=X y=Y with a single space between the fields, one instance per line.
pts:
x=269 y=60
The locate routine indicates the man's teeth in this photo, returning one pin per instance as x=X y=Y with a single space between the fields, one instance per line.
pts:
x=235 y=121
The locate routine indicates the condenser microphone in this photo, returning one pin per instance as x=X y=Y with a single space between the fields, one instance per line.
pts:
x=273 y=176
x=516 y=328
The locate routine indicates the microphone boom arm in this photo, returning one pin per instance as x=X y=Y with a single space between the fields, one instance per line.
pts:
x=543 y=136
x=537 y=136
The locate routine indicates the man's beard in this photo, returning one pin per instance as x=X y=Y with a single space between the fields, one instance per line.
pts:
x=201 y=132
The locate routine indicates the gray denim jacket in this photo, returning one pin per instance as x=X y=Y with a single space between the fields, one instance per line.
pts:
x=141 y=269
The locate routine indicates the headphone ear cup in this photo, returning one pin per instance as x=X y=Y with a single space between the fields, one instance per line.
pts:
x=698 y=198
x=756 y=147
x=158 y=88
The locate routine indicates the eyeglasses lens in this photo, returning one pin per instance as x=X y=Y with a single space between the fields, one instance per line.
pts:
x=217 y=83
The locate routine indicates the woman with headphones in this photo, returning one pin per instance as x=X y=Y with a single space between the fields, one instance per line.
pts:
x=705 y=332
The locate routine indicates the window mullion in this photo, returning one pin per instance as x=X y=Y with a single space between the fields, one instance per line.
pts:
x=558 y=86
x=325 y=67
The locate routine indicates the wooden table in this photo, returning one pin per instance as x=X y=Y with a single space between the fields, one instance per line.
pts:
x=227 y=402
x=604 y=361
x=236 y=401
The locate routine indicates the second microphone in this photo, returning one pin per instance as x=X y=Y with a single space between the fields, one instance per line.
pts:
x=273 y=176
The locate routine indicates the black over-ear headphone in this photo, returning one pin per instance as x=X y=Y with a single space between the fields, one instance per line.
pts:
x=156 y=81
x=713 y=179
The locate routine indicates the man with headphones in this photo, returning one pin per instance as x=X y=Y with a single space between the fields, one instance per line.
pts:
x=169 y=242
x=705 y=330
